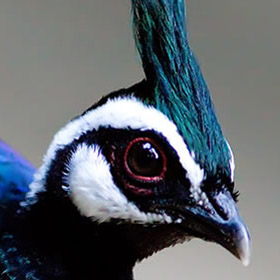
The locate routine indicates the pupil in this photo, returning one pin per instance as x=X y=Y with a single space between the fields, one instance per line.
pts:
x=144 y=160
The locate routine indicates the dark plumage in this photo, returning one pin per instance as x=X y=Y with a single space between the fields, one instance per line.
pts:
x=143 y=169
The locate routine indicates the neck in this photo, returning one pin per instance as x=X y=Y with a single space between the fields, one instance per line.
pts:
x=74 y=247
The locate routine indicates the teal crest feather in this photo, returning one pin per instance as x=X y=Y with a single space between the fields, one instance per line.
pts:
x=178 y=87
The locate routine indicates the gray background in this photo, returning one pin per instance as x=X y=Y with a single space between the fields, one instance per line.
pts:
x=57 y=57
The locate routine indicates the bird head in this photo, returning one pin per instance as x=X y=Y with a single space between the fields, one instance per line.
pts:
x=153 y=154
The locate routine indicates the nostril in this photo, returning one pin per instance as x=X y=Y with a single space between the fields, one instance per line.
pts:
x=220 y=206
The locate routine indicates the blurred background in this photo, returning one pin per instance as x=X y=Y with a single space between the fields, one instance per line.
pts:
x=57 y=57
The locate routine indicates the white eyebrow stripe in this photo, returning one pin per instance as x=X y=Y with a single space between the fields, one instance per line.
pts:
x=121 y=113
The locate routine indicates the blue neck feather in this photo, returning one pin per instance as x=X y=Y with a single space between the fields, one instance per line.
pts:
x=16 y=173
x=178 y=87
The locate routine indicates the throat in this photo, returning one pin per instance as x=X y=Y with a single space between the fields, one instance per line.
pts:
x=53 y=233
x=73 y=246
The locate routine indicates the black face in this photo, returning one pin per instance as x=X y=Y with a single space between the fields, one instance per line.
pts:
x=145 y=168
x=148 y=171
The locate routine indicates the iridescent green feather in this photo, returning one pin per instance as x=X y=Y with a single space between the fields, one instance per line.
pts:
x=178 y=87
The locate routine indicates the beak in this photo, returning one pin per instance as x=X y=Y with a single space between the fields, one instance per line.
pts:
x=219 y=221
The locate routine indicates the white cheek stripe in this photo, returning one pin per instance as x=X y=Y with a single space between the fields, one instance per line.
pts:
x=96 y=196
x=121 y=113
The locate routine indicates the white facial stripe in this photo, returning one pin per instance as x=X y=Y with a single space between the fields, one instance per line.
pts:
x=122 y=113
x=94 y=193
x=231 y=162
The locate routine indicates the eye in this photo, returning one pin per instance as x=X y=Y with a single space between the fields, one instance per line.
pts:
x=144 y=160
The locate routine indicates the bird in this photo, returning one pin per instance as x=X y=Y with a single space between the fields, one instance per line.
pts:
x=143 y=169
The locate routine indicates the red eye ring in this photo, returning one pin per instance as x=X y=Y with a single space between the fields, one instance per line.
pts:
x=132 y=174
